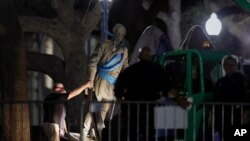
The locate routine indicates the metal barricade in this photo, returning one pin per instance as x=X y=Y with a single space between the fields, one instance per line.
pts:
x=150 y=121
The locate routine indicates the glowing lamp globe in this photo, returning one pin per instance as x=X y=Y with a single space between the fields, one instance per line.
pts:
x=213 y=25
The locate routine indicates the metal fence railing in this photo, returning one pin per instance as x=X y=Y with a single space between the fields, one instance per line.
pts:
x=149 y=121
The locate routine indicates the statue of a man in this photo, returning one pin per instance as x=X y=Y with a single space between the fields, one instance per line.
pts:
x=107 y=61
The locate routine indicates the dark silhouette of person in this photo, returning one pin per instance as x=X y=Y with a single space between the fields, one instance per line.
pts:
x=231 y=88
x=142 y=81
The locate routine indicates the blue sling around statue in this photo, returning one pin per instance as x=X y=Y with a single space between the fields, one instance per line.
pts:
x=115 y=62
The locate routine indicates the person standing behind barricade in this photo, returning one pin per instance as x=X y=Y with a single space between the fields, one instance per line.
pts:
x=54 y=124
x=231 y=88
x=140 y=82
x=107 y=61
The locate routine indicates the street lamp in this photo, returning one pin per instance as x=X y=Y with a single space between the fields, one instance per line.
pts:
x=106 y=4
x=213 y=25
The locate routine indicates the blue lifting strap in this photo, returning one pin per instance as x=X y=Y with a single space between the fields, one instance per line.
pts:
x=111 y=65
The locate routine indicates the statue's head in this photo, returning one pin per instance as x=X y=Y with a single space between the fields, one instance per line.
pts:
x=119 y=32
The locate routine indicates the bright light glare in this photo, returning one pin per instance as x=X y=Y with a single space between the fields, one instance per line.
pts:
x=213 y=25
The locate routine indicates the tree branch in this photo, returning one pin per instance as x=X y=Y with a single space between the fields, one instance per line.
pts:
x=163 y=16
x=48 y=64
x=65 y=11
x=50 y=27
x=172 y=22
x=89 y=22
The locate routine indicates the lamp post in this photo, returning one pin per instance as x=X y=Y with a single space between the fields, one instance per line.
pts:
x=213 y=27
x=106 y=4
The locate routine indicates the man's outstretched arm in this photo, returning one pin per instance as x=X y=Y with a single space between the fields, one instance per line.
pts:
x=78 y=90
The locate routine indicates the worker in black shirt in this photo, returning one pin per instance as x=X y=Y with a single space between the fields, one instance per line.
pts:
x=54 y=124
